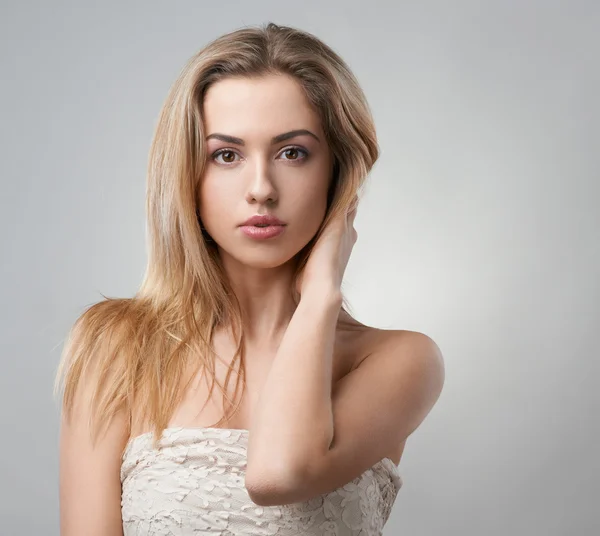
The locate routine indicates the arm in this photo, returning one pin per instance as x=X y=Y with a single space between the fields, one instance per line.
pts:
x=294 y=420
x=90 y=486
x=375 y=408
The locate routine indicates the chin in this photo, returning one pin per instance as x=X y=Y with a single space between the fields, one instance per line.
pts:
x=259 y=257
x=264 y=260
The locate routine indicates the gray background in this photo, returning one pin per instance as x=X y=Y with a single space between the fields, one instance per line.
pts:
x=480 y=228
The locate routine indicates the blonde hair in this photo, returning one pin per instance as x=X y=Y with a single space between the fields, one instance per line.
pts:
x=135 y=352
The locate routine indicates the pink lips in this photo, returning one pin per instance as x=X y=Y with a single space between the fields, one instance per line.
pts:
x=263 y=219
x=262 y=226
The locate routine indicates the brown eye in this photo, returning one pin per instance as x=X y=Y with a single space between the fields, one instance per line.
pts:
x=295 y=153
x=228 y=156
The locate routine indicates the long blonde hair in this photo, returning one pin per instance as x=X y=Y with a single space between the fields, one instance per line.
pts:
x=135 y=352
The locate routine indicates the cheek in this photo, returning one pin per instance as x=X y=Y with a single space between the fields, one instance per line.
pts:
x=308 y=214
x=309 y=198
x=215 y=201
x=312 y=210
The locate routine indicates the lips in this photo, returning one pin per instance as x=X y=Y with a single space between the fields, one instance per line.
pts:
x=263 y=220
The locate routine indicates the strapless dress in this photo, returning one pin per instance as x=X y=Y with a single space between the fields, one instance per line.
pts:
x=193 y=484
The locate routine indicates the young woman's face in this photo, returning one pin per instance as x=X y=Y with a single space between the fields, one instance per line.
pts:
x=260 y=174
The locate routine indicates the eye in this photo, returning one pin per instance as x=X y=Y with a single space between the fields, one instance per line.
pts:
x=293 y=152
x=228 y=156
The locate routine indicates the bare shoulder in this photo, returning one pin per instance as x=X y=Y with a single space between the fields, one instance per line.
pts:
x=403 y=358
x=363 y=340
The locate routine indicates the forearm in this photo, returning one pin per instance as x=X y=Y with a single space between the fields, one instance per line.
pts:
x=293 y=421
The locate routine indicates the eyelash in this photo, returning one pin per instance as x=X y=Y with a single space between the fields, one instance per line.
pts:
x=228 y=150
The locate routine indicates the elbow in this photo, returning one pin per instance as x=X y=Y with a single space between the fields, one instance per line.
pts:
x=271 y=496
x=263 y=497
x=268 y=487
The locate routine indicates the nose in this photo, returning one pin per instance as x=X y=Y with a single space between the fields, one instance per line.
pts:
x=261 y=188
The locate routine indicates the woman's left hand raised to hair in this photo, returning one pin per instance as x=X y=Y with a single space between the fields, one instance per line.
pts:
x=325 y=267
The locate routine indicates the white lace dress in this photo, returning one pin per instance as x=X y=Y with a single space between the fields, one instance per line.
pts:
x=194 y=484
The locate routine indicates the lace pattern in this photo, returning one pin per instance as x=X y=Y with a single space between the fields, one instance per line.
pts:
x=194 y=484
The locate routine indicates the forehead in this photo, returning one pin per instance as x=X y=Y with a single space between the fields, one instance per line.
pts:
x=270 y=104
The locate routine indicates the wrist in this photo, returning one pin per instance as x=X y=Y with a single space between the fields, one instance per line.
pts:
x=323 y=294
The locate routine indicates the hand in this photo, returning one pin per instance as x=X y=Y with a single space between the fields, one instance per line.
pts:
x=324 y=269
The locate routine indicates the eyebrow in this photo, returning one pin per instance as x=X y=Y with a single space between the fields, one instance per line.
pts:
x=276 y=139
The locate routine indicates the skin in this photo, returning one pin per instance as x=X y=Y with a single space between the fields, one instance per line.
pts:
x=288 y=179
x=261 y=177
x=365 y=363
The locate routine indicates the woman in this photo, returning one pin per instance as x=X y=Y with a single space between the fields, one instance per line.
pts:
x=259 y=154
